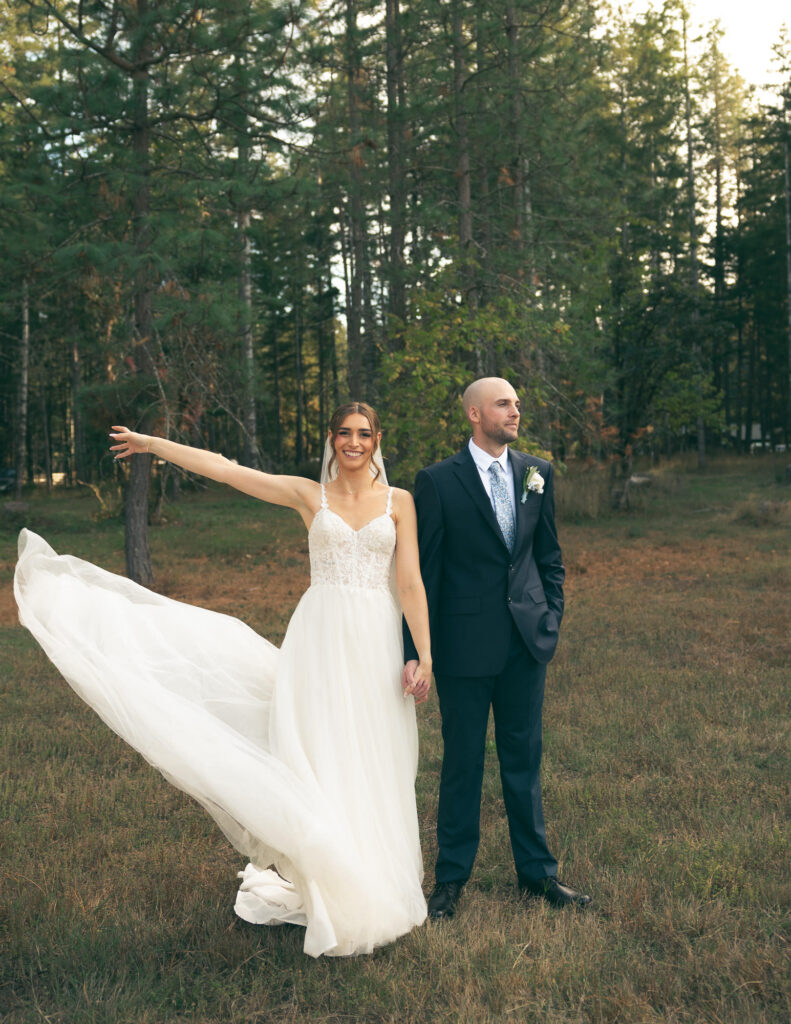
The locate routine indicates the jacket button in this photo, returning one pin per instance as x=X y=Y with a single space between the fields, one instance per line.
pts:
x=509 y=600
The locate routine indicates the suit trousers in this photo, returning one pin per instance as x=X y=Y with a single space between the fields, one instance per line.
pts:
x=516 y=696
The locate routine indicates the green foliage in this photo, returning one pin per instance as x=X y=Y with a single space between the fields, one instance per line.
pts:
x=446 y=346
x=518 y=174
x=126 y=400
x=685 y=396
x=425 y=422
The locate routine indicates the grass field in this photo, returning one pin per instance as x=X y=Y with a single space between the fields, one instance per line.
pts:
x=667 y=782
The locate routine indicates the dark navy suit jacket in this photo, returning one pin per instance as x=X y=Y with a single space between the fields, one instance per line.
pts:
x=476 y=588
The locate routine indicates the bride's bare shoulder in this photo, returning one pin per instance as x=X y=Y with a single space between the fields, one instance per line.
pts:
x=402 y=500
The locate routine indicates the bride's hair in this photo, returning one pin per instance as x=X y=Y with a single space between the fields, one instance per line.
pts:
x=336 y=422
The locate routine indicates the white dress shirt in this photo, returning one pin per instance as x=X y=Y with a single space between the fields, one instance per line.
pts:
x=483 y=461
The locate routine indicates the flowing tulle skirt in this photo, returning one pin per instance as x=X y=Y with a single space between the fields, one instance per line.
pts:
x=304 y=756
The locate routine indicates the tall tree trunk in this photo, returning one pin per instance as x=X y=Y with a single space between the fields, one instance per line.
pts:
x=277 y=396
x=721 y=353
x=354 y=306
x=45 y=438
x=78 y=460
x=656 y=256
x=299 y=450
x=787 y=183
x=523 y=212
x=488 y=218
x=693 y=245
x=460 y=125
x=396 y=285
x=765 y=404
x=138 y=554
x=325 y=325
x=22 y=393
x=249 y=419
x=751 y=386
x=740 y=401
x=464 y=175
x=67 y=441
x=370 y=392
x=321 y=348
x=739 y=390
x=333 y=348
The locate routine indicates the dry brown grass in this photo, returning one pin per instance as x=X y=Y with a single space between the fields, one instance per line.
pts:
x=666 y=787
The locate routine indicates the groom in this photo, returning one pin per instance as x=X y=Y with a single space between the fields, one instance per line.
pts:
x=493 y=574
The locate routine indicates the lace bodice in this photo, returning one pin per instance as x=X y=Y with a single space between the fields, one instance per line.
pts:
x=342 y=556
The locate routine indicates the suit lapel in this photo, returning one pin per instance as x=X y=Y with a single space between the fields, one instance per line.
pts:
x=519 y=463
x=467 y=472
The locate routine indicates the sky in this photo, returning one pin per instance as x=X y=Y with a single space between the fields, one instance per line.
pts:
x=751 y=28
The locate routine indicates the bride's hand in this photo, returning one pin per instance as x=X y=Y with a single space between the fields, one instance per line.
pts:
x=418 y=679
x=129 y=443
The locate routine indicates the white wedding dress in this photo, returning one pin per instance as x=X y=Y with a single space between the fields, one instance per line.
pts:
x=305 y=756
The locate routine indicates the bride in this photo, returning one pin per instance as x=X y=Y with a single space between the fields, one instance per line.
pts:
x=305 y=756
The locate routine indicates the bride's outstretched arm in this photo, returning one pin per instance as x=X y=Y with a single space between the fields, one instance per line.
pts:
x=292 y=491
x=411 y=592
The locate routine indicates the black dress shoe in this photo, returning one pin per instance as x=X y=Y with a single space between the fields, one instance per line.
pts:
x=555 y=892
x=442 y=902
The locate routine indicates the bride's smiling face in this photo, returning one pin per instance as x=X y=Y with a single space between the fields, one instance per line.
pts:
x=355 y=442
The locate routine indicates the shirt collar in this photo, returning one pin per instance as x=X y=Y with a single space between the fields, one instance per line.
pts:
x=483 y=460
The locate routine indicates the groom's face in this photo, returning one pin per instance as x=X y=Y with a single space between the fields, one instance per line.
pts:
x=499 y=413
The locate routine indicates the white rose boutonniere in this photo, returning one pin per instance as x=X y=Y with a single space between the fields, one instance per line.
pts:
x=533 y=481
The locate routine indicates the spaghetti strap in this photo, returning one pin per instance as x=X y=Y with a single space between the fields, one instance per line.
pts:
x=389 y=508
x=323 y=497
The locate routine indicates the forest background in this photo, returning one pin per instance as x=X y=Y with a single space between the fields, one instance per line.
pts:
x=221 y=219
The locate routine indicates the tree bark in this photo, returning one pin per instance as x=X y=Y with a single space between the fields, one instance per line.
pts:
x=693 y=244
x=299 y=450
x=277 y=397
x=787 y=189
x=321 y=348
x=79 y=462
x=462 y=133
x=521 y=164
x=370 y=360
x=138 y=554
x=719 y=357
x=250 y=445
x=396 y=306
x=354 y=306
x=45 y=438
x=249 y=419
x=740 y=400
x=464 y=176
x=751 y=388
x=22 y=393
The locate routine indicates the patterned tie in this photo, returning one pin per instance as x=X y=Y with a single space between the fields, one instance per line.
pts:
x=501 y=502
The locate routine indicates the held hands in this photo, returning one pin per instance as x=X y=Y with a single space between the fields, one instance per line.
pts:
x=416 y=679
x=130 y=443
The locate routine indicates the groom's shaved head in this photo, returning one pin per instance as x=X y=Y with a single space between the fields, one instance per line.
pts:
x=482 y=389
x=492 y=407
